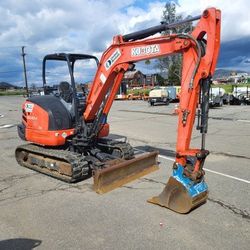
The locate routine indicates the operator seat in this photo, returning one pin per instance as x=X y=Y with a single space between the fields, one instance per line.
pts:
x=66 y=97
x=65 y=92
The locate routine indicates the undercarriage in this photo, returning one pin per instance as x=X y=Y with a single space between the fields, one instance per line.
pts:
x=108 y=158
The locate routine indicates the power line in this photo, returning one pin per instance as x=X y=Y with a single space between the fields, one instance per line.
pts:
x=18 y=71
x=12 y=71
x=6 y=47
x=38 y=71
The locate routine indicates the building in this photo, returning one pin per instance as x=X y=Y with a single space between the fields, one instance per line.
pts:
x=241 y=77
x=133 y=79
x=233 y=78
x=4 y=86
x=151 y=80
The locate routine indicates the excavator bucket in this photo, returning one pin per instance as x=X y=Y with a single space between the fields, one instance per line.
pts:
x=181 y=194
x=118 y=174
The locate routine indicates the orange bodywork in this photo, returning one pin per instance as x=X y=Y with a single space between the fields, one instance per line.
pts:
x=48 y=138
x=36 y=122
x=117 y=59
x=104 y=131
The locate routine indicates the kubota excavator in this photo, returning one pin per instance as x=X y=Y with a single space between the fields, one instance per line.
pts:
x=71 y=143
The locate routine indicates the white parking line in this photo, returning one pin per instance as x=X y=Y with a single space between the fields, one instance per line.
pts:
x=206 y=169
x=7 y=126
x=247 y=121
x=226 y=175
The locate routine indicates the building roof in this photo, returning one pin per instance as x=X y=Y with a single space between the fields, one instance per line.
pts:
x=132 y=74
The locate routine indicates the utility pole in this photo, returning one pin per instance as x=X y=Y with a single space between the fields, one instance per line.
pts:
x=24 y=71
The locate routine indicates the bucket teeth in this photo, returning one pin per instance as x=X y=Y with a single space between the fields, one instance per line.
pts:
x=119 y=174
x=181 y=194
x=176 y=197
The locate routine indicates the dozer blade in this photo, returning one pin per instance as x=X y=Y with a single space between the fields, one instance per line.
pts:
x=181 y=194
x=119 y=174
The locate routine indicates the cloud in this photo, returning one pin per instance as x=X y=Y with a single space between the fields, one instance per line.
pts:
x=235 y=16
x=80 y=26
x=87 y=26
x=235 y=54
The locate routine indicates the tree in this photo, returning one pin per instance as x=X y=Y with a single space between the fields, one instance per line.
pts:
x=172 y=64
x=33 y=86
x=160 y=80
x=147 y=62
x=174 y=72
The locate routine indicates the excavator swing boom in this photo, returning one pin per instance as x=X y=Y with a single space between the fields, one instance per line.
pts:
x=186 y=189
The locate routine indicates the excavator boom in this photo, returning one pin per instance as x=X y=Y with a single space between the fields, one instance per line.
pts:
x=186 y=189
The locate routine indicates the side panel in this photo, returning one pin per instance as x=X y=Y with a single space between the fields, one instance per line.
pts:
x=35 y=117
x=48 y=138
x=36 y=124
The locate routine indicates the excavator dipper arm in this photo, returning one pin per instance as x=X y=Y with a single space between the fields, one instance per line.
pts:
x=186 y=189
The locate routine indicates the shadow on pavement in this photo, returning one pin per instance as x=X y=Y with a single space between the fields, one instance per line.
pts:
x=165 y=152
x=148 y=148
x=117 y=137
x=19 y=244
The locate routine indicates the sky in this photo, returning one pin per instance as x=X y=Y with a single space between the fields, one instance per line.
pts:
x=87 y=26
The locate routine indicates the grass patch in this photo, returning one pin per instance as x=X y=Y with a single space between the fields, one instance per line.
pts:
x=12 y=93
x=139 y=91
x=230 y=87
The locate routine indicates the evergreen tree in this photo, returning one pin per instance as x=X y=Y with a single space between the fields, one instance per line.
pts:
x=147 y=62
x=172 y=64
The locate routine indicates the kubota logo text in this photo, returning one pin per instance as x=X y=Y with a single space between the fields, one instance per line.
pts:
x=145 y=50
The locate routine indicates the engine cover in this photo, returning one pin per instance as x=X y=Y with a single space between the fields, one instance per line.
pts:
x=46 y=121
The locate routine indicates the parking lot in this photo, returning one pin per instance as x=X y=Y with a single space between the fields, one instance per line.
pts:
x=42 y=212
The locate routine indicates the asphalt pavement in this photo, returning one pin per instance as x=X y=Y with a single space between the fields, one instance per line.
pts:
x=40 y=212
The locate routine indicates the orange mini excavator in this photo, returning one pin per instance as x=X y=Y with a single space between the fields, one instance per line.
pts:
x=69 y=139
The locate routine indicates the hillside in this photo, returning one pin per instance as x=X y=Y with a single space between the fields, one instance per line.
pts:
x=7 y=85
x=225 y=73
